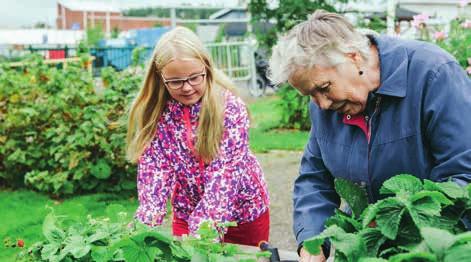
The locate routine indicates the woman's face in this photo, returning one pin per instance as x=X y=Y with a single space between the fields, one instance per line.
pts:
x=185 y=80
x=340 y=88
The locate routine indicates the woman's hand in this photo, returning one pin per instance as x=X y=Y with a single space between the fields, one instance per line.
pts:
x=306 y=257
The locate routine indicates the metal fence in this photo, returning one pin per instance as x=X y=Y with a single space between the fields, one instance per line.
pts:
x=236 y=59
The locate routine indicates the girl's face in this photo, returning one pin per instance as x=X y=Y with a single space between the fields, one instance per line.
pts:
x=185 y=80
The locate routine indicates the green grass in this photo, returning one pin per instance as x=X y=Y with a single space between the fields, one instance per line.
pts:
x=22 y=214
x=265 y=117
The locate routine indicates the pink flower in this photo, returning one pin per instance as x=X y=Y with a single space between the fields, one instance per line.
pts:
x=463 y=3
x=420 y=19
x=468 y=70
x=439 y=36
x=469 y=61
x=466 y=24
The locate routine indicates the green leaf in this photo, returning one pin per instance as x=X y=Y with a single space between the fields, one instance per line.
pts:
x=98 y=235
x=427 y=214
x=373 y=239
x=100 y=254
x=136 y=251
x=155 y=239
x=51 y=232
x=207 y=231
x=351 y=245
x=345 y=222
x=437 y=240
x=49 y=251
x=463 y=238
x=372 y=259
x=401 y=183
x=369 y=214
x=77 y=246
x=313 y=245
x=389 y=216
x=408 y=235
x=178 y=251
x=426 y=204
x=347 y=245
x=414 y=257
x=393 y=251
x=458 y=253
x=437 y=197
x=451 y=189
x=101 y=169
x=354 y=195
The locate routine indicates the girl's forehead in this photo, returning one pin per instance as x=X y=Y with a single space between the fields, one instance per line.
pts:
x=183 y=67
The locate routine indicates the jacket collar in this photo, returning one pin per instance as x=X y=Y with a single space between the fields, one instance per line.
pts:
x=176 y=109
x=394 y=65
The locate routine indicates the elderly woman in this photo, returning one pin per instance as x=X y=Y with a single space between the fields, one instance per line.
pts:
x=381 y=106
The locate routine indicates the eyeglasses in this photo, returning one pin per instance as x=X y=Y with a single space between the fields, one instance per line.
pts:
x=193 y=80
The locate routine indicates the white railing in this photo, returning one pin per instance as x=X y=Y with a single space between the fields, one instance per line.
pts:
x=236 y=59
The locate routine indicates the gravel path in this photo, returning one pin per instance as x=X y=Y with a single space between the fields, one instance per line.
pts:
x=281 y=169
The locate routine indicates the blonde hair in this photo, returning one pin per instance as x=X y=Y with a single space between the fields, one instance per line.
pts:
x=149 y=104
x=323 y=39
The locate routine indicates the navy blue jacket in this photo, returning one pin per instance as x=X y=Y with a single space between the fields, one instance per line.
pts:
x=419 y=123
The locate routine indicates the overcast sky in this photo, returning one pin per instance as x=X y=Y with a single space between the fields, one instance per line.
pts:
x=19 y=13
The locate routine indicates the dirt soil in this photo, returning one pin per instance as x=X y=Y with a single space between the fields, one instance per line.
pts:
x=281 y=169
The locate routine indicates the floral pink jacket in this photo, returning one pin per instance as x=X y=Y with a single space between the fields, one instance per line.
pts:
x=230 y=188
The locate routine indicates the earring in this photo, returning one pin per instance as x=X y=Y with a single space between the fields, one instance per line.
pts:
x=360 y=72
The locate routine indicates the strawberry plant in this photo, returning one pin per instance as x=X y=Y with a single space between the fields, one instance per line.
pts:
x=60 y=134
x=416 y=221
x=115 y=239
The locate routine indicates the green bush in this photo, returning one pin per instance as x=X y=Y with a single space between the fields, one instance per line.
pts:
x=294 y=108
x=58 y=134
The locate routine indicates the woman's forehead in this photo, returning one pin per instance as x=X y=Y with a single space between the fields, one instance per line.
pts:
x=309 y=76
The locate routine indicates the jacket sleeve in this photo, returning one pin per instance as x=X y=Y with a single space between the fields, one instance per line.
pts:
x=314 y=195
x=447 y=114
x=154 y=185
x=221 y=189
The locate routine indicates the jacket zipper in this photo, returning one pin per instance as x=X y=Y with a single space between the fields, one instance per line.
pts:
x=189 y=141
x=370 y=120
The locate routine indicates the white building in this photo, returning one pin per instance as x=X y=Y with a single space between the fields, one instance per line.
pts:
x=441 y=9
x=43 y=37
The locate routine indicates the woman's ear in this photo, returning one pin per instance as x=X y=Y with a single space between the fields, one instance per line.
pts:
x=355 y=57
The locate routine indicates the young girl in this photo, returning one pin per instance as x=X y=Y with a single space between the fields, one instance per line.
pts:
x=188 y=134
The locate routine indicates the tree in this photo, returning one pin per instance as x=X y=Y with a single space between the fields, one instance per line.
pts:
x=285 y=16
x=94 y=35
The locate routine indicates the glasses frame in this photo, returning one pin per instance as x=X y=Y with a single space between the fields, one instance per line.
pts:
x=184 y=80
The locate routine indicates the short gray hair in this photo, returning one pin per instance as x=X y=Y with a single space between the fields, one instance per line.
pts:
x=323 y=39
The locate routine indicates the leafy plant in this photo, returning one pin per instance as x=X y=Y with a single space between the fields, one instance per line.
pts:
x=115 y=239
x=60 y=134
x=294 y=108
x=458 y=42
x=417 y=221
